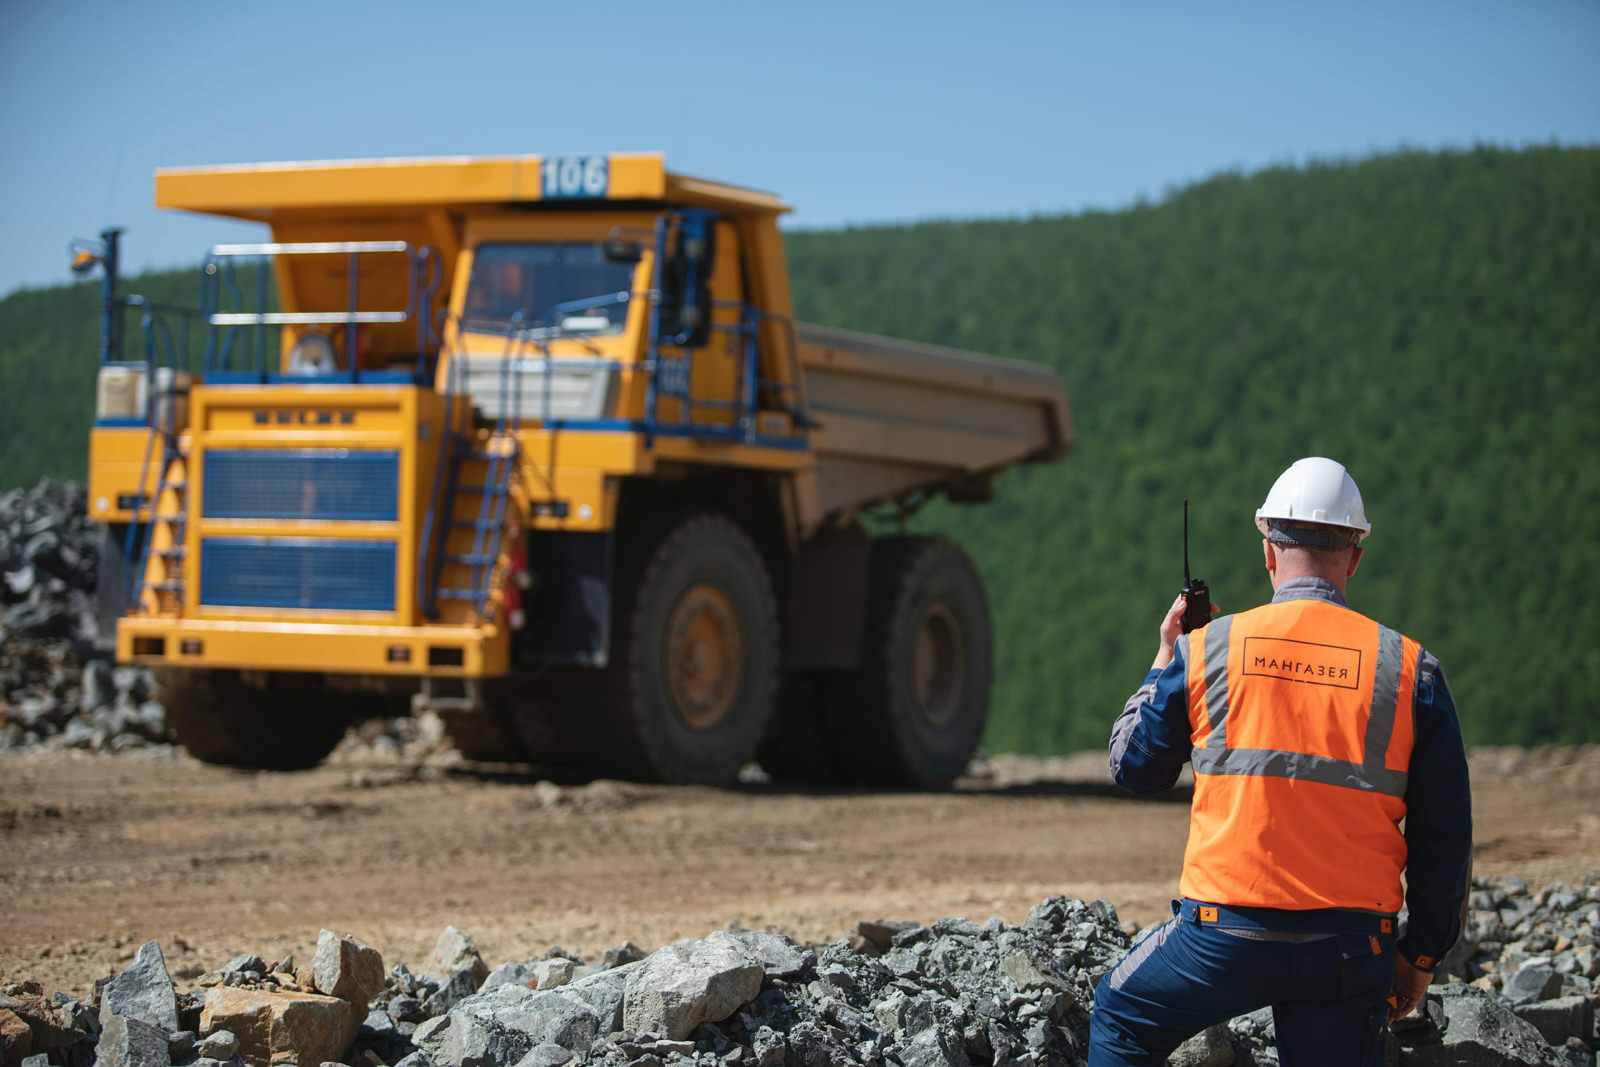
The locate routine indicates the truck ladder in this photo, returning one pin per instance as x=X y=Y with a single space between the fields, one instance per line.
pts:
x=479 y=466
x=159 y=570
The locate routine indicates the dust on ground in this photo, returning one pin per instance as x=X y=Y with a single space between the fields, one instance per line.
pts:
x=99 y=854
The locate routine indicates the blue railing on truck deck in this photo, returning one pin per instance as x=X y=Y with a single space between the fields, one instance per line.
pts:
x=246 y=342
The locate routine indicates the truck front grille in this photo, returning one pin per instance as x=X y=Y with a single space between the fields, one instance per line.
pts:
x=337 y=485
x=303 y=572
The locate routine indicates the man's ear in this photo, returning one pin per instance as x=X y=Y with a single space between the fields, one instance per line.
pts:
x=1270 y=554
x=1355 y=561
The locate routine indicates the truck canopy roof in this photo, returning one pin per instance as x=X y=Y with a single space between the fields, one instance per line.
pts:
x=264 y=192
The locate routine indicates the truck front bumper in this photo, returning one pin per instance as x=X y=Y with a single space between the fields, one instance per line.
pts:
x=341 y=648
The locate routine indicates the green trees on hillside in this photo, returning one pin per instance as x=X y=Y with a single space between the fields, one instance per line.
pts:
x=1428 y=319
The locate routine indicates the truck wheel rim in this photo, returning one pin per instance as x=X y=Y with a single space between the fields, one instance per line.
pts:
x=704 y=652
x=938 y=665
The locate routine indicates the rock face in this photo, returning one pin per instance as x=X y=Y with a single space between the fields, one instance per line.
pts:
x=281 y=1026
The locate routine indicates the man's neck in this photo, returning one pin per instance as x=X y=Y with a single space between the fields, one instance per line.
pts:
x=1284 y=574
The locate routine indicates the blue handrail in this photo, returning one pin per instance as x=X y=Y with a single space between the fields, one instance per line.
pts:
x=162 y=354
x=226 y=309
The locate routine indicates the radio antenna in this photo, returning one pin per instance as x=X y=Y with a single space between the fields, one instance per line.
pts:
x=1185 y=538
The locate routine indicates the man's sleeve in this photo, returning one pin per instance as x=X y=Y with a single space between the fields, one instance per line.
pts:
x=1150 y=739
x=1438 y=822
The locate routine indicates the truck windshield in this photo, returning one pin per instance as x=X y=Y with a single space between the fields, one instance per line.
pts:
x=534 y=278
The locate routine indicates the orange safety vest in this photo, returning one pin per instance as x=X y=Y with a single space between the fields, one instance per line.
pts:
x=1300 y=715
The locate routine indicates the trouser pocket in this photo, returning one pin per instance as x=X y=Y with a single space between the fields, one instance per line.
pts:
x=1367 y=966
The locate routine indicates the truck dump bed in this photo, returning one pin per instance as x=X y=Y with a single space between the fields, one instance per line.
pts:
x=895 y=416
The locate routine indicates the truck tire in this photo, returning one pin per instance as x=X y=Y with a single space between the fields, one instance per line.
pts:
x=694 y=660
x=219 y=719
x=914 y=712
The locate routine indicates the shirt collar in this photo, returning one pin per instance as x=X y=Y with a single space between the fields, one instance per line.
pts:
x=1309 y=589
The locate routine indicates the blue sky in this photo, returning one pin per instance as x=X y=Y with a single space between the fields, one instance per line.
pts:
x=853 y=113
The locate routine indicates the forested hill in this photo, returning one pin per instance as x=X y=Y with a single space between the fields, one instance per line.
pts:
x=1429 y=319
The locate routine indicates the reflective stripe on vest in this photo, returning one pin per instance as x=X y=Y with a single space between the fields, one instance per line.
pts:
x=1370 y=774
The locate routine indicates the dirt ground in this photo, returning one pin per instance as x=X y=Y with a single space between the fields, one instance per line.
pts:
x=99 y=854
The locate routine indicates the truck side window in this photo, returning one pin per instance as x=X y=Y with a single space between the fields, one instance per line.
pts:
x=534 y=279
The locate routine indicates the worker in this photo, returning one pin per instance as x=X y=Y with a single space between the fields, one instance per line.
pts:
x=1314 y=733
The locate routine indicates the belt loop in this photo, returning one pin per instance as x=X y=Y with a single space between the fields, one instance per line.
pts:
x=1207 y=915
x=1386 y=926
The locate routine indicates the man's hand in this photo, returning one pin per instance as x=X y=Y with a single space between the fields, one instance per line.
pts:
x=1410 y=985
x=1171 y=630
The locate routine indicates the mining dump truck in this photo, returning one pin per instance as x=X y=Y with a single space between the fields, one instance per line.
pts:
x=535 y=443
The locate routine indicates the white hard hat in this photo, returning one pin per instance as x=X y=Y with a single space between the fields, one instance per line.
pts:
x=1314 y=490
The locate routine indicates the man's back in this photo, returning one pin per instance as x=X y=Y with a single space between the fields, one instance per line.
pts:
x=1299 y=755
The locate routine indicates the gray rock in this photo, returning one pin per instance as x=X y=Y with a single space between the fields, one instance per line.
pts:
x=1022 y=971
x=1561 y=1018
x=552 y=972
x=605 y=993
x=875 y=938
x=779 y=957
x=464 y=1040
x=956 y=928
x=129 y=1041
x=245 y=964
x=507 y=974
x=143 y=991
x=1211 y=1047
x=622 y=955
x=180 y=1044
x=678 y=987
x=556 y=1016
x=546 y=1055
x=218 y=1045
x=454 y=951
x=97 y=688
x=931 y=1048
x=1533 y=983
x=454 y=989
x=1479 y=1031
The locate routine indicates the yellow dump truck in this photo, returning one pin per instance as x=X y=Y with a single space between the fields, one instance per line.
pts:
x=536 y=443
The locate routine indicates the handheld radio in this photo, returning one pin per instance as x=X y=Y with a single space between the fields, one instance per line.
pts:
x=1196 y=597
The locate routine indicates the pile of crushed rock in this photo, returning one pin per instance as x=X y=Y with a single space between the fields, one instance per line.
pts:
x=55 y=690
x=1520 y=989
